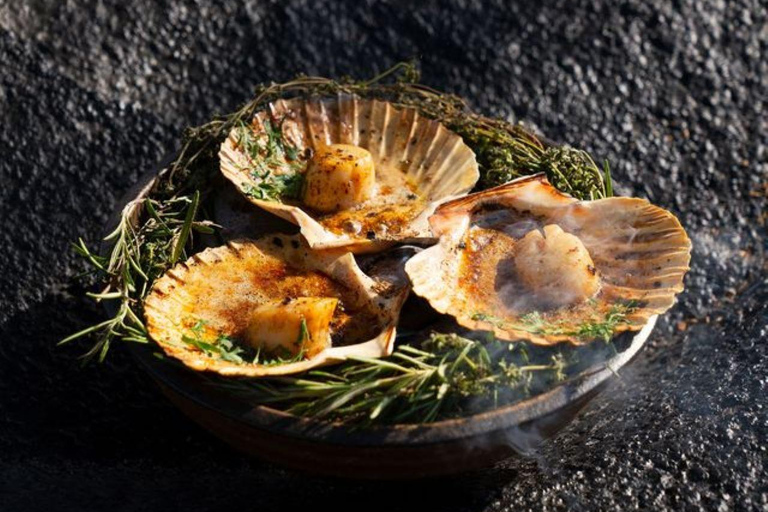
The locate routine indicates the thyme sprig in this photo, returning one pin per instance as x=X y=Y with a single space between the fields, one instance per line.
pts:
x=504 y=150
x=275 y=187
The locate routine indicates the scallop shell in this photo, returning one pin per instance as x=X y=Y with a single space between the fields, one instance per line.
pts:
x=408 y=150
x=640 y=251
x=222 y=286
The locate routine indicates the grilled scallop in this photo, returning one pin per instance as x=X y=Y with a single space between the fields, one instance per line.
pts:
x=528 y=262
x=349 y=172
x=272 y=306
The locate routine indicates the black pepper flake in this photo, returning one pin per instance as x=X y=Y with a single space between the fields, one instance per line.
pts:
x=370 y=235
x=295 y=244
x=278 y=241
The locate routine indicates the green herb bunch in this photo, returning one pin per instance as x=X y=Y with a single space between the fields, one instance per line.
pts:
x=140 y=252
x=447 y=375
x=504 y=150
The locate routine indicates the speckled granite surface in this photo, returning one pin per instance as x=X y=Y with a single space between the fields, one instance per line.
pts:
x=672 y=93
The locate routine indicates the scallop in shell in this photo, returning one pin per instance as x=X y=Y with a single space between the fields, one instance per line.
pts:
x=208 y=303
x=384 y=169
x=528 y=262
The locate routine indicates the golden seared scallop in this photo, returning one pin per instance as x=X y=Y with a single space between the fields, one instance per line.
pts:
x=272 y=306
x=338 y=177
x=292 y=327
x=350 y=172
x=555 y=267
x=528 y=262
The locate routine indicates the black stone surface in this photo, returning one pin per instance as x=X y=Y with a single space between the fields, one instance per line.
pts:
x=93 y=93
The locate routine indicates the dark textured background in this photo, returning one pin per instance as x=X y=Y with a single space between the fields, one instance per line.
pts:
x=672 y=93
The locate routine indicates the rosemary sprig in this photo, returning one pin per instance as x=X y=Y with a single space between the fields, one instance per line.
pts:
x=137 y=257
x=449 y=375
x=181 y=240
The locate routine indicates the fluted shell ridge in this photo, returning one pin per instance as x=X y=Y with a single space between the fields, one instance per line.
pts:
x=433 y=159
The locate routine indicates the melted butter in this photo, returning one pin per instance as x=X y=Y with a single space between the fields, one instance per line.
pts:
x=395 y=204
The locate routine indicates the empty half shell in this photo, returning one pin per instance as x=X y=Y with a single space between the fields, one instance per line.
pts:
x=528 y=262
x=209 y=311
x=394 y=168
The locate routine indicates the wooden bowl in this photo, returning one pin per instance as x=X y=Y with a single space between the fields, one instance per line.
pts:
x=382 y=452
